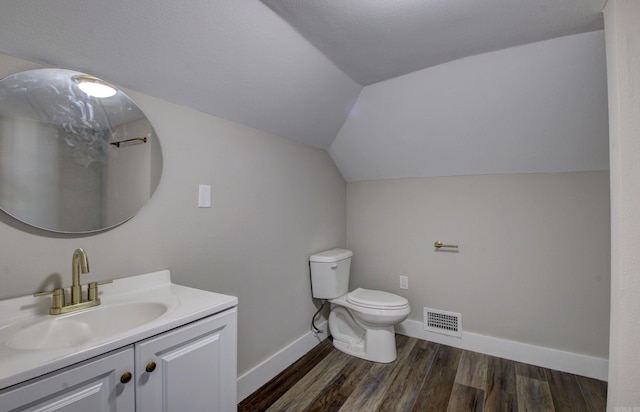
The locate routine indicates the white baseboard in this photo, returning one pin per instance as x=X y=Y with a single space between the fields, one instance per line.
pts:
x=583 y=365
x=252 y=380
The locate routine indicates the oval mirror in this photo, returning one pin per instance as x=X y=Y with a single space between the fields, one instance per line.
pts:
x=76 y=154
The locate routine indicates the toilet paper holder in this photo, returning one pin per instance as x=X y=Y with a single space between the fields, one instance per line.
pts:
x=438 y=244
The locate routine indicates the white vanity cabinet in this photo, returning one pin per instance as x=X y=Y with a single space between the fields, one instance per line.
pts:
x=93 y=386
x=191 y=368
x=177 y=344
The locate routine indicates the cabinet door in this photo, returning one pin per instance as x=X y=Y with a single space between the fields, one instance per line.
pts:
x=192 y=368
x=93 y=386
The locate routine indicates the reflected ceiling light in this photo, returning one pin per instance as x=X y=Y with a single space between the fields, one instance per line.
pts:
x=94 y=86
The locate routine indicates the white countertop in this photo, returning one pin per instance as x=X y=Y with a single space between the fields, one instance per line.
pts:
x=184 y=305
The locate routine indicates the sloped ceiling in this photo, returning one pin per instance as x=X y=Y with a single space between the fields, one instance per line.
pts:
x=293 y=68
x=374 y=40
x=235 y=59
x=535 y=108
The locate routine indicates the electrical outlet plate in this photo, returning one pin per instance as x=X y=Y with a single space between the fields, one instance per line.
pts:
x=404 y=282
x=204 y=196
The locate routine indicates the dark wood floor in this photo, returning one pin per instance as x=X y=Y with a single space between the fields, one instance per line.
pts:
x=425 y=377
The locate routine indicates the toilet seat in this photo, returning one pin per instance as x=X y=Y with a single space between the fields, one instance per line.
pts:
x=376 y=299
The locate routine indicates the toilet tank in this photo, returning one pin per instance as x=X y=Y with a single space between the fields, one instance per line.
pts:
x=330 y=273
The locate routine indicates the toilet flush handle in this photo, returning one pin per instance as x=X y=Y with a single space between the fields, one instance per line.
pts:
x=334 y=266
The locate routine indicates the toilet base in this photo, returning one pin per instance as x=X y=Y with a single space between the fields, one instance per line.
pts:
x=376 y=344
x=386 y=355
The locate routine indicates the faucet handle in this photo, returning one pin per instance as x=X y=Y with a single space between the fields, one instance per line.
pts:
x=58 y=298
x=92 y=291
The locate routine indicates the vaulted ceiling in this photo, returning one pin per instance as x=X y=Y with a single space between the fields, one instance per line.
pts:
x=293 y=68
x=374 y=40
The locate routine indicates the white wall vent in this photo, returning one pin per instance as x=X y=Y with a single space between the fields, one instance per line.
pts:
x=440 y=321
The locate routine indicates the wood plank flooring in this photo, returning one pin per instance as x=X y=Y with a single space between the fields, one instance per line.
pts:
x=425 y=377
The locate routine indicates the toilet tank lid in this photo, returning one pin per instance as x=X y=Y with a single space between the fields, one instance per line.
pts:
x=329 y=256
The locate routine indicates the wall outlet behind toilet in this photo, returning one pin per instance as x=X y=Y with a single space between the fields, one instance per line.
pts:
x=404 y=282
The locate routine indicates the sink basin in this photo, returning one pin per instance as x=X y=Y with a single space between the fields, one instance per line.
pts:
x=77 y=328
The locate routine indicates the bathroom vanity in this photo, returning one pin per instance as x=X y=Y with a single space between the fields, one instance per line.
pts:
x=150 y=346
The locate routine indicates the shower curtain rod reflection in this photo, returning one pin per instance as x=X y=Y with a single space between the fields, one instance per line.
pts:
x=129 y=142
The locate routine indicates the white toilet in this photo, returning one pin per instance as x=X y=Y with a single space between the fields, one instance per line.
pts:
x=361 y=322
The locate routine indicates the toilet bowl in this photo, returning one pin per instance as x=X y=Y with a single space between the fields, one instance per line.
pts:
x=362 y=322
x=366 y=329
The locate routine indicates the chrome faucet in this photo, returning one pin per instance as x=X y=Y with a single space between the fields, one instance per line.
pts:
x=79 y=264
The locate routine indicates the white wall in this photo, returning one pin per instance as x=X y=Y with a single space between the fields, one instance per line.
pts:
x=533 y=263
x=505 y=154
x=275 y=202
x=535 y=108
x=622 y=28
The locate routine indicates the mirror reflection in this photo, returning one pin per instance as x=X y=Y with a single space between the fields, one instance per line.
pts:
x=76 y=154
